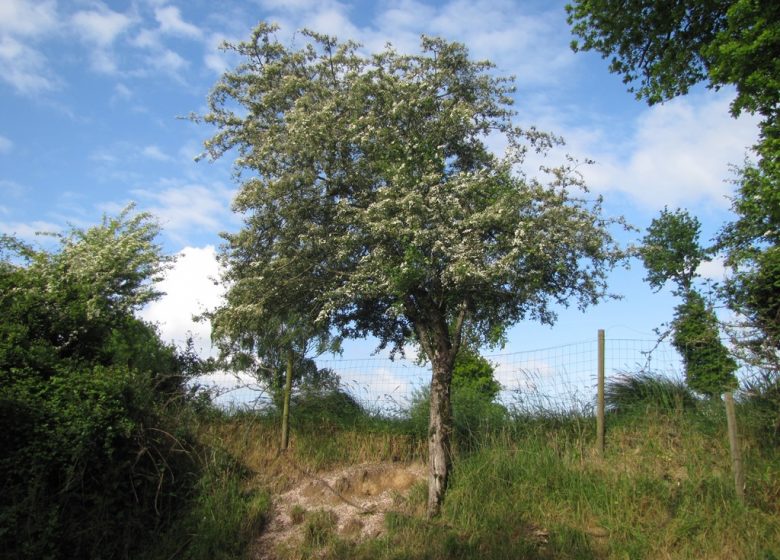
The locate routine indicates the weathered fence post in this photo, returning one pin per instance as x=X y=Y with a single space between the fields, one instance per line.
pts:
x=600 y=398
x=286 y=402
x=736 y=448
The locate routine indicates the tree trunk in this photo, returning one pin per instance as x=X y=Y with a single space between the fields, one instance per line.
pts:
x=286 y=406
x=439 y=434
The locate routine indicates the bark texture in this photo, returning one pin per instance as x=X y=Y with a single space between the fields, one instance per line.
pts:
x=440 y=432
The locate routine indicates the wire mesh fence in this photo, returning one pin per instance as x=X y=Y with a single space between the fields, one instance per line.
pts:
x=558 y=378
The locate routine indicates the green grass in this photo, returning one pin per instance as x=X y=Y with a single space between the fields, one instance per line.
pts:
x=524 y=486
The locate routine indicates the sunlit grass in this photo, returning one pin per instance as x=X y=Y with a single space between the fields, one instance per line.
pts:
x=533 y=485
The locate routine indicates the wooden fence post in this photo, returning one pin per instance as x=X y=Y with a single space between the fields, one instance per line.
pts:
x=286 y=405
x=600 y=397
x=735 y=446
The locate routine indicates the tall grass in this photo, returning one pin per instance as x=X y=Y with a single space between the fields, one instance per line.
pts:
x=638 y=392
x=533 y=487
x=525 y=484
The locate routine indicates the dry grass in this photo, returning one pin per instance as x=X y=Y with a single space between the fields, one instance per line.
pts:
x=535 y=489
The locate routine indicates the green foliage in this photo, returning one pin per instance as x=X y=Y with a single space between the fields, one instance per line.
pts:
x=372 y=194
x=641 y=391
x=751 y=243
x=669 y=47
x=94 y=459
x=709 y=369
x=471 y=372
x=671 y=250
x=745 y=53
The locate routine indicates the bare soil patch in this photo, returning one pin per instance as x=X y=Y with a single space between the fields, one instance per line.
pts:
x=356 y=498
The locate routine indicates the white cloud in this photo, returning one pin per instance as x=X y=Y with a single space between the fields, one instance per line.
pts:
x=189 y=290
x=101 y=25
x=147 y=39
x=183 y=208
x=515 y=373
x=28 y=18
x=22 y=22
x=29 y=231
x=715 y=269
x=154 y=152
x=167 y=61
x=24 y=68
x=5 y=145
x=676 y=154
x=532 y=45
x=11 y=189
x=169 y=18
x=216 y=60
x=291 y=5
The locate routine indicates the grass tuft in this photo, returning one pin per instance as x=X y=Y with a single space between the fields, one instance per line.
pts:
x=644 y=390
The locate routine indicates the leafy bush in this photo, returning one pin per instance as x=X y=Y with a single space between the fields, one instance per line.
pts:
x=709 y=369
x=330 y=408
x=473 y=373
x=94 y=457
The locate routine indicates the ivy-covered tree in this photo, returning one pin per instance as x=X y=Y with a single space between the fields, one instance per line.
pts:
x=671 y=252
x=370 y=197
x=752 y=247
x=709 y=368
x=662 y=48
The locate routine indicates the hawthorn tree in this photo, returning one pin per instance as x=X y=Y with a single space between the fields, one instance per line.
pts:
x=88 y=395
x=370 y=197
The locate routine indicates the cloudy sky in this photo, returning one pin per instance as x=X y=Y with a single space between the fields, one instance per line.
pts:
x=92 y=95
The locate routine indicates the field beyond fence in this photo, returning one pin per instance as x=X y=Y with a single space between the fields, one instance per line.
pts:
x=557 y=378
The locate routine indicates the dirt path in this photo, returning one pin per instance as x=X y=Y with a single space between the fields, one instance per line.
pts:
x=355 y=498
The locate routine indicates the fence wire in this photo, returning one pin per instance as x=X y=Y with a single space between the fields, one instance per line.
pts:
x=555 y=378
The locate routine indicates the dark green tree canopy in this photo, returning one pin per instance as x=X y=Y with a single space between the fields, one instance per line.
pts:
x=671 y=250
x=665 y=47
x=709 y=369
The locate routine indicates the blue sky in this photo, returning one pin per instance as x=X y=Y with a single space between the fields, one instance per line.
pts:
x=92 y=94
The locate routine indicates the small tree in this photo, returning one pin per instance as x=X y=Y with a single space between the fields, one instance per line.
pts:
x=662 y=49
x=709 y=369
x=671 y=252
x=270 y=343
x=474 y=373
x=370 y=198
